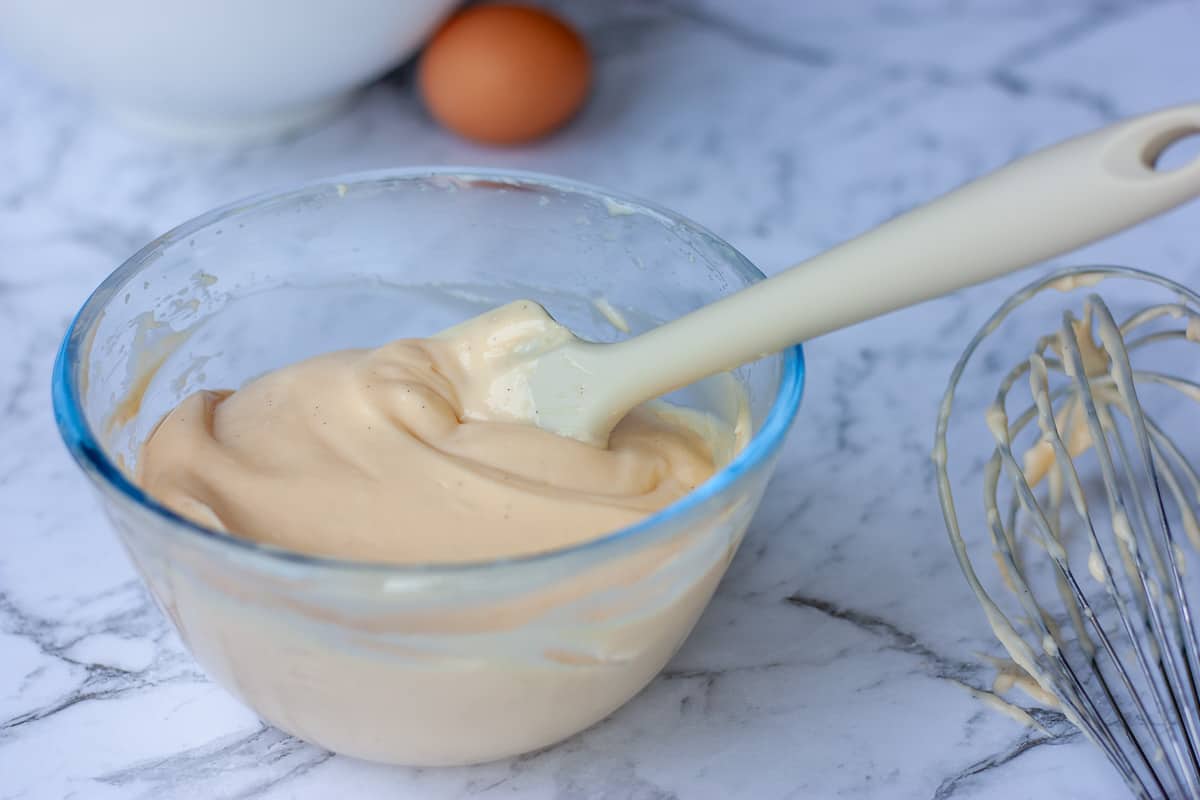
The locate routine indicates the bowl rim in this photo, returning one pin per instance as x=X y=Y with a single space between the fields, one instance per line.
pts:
x=84 y=445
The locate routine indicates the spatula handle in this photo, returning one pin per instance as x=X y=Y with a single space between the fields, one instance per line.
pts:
x=1037 y=207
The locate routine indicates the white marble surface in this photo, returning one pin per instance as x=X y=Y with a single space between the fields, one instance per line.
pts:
x=828 y=664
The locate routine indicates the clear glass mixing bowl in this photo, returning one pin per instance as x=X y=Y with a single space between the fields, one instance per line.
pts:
x=413 y=664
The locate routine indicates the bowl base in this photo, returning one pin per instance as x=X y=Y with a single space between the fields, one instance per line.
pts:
x=228 y=128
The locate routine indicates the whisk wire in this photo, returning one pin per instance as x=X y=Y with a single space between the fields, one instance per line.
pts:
x=1098 y=420
x=1072 y=684
x=1163 y=544
x=1118 y=645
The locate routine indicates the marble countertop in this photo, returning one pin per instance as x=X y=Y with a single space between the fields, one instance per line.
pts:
x=832 y=659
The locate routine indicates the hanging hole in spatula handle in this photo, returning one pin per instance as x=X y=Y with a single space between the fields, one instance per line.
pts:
x=1165 y=144
x=1177 y=153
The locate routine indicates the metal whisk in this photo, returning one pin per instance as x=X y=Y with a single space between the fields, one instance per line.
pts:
x=1090 y=503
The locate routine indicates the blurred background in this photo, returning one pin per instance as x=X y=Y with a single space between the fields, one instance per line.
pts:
x=786 y=127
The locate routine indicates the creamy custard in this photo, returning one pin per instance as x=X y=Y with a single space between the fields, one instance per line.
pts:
x=394 y=455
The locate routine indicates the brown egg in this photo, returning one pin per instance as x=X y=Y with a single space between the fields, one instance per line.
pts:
x=504 y=74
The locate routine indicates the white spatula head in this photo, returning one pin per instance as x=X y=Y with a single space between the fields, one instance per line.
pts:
x=518 y=364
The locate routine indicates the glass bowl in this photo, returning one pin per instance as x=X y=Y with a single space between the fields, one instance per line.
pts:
x=427 y=664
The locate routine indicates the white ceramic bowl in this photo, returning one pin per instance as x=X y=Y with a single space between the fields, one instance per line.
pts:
x=221 y=68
